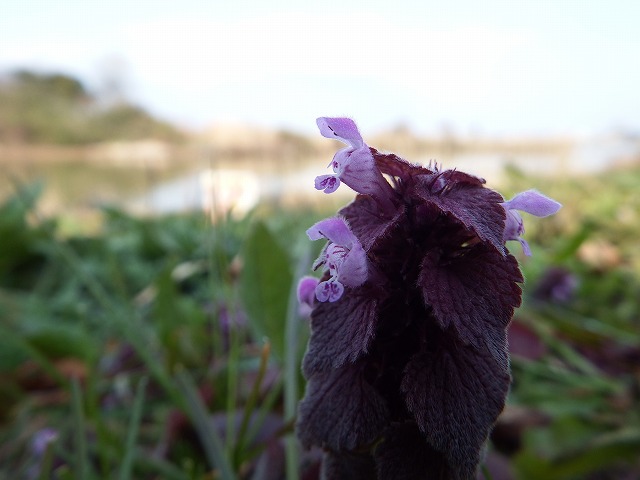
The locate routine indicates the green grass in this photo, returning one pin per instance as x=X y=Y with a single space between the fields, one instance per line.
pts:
x=170 y=347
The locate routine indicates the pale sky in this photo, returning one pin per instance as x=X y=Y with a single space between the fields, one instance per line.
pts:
x=490 y=67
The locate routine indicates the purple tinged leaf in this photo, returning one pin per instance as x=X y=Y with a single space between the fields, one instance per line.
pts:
x=340 y=332
x=347 y=465
x=367 y=221
x=404 y=454
x=393 y=165
x=464 y=198
x=340 y=410
x=454 y=177
x=455 y=394
x=475 y=291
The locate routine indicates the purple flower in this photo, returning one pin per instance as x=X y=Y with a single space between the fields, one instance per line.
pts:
x=39 y=445
x=532 y=202
x=354 y=165
x=407 y=366
x=41 y=440
x=343 y=258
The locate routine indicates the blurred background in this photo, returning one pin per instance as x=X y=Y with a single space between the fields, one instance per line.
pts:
x=152 y=152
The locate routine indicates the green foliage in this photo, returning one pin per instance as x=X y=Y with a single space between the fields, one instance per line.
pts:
x=265 y=285
x=145 y=302
x=23 y=245
x=585 y=383
x=58 y=109
x=167 y=347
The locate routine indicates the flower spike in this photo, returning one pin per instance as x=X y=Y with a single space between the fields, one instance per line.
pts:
x=407 y=364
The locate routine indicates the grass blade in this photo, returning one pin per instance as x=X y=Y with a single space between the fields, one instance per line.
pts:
x=292 y=369
x=82 y=466
x=252 y=400
x=211 y=442
x=132 y=433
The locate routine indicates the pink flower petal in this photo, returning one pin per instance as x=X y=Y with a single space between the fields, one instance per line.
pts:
x=343 y=129
x=533 y=202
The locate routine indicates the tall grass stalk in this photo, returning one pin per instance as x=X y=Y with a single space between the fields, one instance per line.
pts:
x=292 y=369
x=241 y=440
x=81 y=460
x=211 y=442
x=132 y=432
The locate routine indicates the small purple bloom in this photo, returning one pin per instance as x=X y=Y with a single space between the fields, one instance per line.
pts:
x=557 y=285
x=327 y=183
x=39 y=445
x=354 y=165
x=343 y=258
x=41 y=440
x=532 y=202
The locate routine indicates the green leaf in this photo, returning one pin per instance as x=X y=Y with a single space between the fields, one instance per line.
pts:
x=12 y=353
x=570 y=449
x=264 y=286
x=58 y=341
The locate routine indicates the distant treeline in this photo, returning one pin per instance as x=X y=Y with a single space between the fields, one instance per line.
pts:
x=39 y=108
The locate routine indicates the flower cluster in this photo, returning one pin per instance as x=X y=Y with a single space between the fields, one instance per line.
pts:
x=407 y=366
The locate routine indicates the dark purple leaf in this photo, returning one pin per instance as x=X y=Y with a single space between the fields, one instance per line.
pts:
x=453 y=177
x=341 y=331
x=367 y=221
x=391 y=164
x=464 y=198
x=271 y=462
x=455 y=393
x=340 y=410
x=475 y=290
x=404 y=454
x=346 y=465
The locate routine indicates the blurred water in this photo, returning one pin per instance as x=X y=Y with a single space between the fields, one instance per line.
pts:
x=240 y=189
x=231 y=184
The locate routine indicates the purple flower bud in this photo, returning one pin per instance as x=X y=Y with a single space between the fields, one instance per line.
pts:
x=343 y=258
x=306 y=294
x=532 y=202
x=41 y=440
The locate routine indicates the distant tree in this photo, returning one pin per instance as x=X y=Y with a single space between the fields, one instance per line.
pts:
x=57 y=85
x=58 y=108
